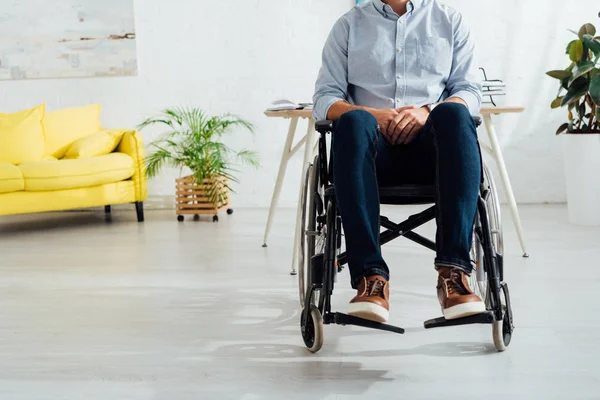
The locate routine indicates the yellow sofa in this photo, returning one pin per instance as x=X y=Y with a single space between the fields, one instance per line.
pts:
x=61 y=160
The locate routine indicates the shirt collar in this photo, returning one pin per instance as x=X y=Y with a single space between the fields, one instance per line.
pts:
x=383 y=7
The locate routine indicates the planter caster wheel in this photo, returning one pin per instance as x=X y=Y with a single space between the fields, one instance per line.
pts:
x=180 y=218
x=196 y=217
x=229 y=211
x=216 y=218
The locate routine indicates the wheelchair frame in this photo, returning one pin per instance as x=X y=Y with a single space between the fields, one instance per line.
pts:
x=320 y=275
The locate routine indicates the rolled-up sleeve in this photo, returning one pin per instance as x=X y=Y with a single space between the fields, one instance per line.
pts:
x=332 y=81
x=464 y=82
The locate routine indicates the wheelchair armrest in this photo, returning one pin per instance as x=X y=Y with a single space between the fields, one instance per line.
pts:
x=324 y=126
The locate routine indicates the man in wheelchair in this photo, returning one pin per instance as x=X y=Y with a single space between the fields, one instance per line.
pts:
x=399 y=80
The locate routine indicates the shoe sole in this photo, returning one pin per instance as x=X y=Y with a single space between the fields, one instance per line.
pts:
x=370 y=311
x=464 y=310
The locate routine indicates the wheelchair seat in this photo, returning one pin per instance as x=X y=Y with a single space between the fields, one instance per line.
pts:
x=407 y=194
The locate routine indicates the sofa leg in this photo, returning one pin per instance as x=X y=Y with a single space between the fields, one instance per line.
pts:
x=139 y=209
x=107 y=209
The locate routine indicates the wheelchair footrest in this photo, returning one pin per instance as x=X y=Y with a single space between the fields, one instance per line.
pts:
x=483 y=318
x=344 y=319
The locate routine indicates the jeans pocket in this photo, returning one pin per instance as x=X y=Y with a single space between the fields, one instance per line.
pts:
x=433 y=54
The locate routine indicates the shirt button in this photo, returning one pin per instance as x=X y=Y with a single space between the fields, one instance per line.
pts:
x=398 y=49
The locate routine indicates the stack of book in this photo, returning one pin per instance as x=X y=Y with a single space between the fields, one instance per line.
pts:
x=491 y=88
x=284 y=104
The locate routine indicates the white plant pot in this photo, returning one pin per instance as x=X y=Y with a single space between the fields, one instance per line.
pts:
x=582 y=161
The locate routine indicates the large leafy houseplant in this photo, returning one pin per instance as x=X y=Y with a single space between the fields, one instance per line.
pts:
x=580 y=83
x=194 y=142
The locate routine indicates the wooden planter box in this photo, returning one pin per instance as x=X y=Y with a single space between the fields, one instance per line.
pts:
x=192 y=198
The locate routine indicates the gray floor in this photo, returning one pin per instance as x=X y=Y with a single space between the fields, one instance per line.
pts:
x=95 y=310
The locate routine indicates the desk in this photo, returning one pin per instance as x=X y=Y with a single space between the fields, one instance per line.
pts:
x=309 y=139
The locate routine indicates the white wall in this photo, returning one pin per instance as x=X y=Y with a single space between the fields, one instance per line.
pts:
x=237 y=56
x=518 y=41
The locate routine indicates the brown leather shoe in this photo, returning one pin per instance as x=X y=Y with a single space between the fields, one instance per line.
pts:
x=456 y=297
x=372 y=300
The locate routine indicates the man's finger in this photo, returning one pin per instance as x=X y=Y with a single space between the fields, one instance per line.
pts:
x=403 y=128
x=392 y=125
x=393 y=131
x=405 y=132
x=412 y=134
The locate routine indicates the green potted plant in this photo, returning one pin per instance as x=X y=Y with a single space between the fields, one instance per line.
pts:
x=193 y=144
x=579 y=92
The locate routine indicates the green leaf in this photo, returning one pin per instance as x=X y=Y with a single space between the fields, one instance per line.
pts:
x=576 y=51
x=559 y=74
x=595 y=90
x=562 y=128
x=594 y=73
x=592 y=43
x=578 y=88
x=581 y=110
x=582 y=69
x=569 y=46
x=556 y=103
x=587 y=29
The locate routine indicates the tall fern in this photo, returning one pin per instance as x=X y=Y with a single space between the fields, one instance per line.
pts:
x=193 y=141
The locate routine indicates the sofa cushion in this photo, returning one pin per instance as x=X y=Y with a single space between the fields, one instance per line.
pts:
x=22 y=136
x=63 y=127
x=96 y=144
x=80 y=173
x=11 y=179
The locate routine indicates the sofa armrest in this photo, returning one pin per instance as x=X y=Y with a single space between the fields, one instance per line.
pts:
x=132 y=144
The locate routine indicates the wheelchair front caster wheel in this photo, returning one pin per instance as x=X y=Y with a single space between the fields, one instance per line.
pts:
x=196 y=217
x=501 y=332
x=229 y=211
x=180 y=218
x=216 y=218
x=312 y=329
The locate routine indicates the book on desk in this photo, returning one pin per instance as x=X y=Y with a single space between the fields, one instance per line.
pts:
x=287 y=105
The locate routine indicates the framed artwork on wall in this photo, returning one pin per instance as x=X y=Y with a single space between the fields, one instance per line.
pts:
x=359 y=2
x=67 y=39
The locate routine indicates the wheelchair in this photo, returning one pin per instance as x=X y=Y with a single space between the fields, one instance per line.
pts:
x=321 y=257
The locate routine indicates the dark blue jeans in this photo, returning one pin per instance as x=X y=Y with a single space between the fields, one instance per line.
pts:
x=445 y=153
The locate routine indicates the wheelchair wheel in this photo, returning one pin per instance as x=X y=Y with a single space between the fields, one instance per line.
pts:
x=502 y=330
x=494 y=212
x=479 y=279
x=312 y=234
x=312 y=329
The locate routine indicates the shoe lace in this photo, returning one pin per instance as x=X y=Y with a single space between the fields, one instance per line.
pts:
x=455 y=284
x=375 y=288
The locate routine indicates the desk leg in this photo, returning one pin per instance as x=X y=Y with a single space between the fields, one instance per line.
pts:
x=285 y=157
x=308 y=155
x=497 y=154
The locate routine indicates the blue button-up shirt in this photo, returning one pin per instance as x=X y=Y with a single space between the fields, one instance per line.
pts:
x=374 y=58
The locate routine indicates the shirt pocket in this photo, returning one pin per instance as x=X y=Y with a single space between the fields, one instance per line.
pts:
x=433 y=54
